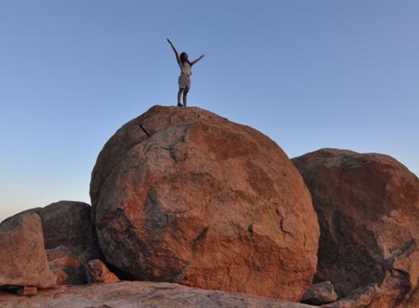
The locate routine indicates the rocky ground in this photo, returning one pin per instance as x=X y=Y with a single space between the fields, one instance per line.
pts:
x=136 y=294
x=206 y=208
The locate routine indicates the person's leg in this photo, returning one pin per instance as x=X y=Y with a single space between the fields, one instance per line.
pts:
x=185 y=94
x=179 y=96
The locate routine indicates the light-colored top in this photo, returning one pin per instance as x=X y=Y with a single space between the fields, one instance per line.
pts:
x=185 y=68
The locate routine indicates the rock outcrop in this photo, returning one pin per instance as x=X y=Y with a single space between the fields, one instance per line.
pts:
x=140 y=294
x=69 y=239
x=183 y=195
x=23 y=261
x=368 y=209
x=68 y=223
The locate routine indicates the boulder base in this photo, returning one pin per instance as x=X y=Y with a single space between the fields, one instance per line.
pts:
x=129 y=294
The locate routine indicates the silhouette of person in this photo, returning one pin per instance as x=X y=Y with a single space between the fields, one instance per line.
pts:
x=185 y=74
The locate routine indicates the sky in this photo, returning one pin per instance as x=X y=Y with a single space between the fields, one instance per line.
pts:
x=309 y=74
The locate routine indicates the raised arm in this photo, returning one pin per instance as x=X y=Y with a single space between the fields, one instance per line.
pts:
x=175 y=51
x=196 y=60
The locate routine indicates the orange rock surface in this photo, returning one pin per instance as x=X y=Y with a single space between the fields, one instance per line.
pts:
x=183 y=195
x=368 y=209
x=23 y=261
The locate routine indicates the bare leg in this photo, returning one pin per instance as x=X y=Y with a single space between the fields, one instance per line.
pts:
x=185 y=94
x=179 y=96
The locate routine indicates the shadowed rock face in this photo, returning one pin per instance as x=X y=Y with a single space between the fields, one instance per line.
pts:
x=23 y=261
x=183 y=195
x=67 y=223
x=368 y=209
x=320 y=293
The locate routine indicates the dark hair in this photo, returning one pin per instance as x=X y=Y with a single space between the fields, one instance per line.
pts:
x=184 y=57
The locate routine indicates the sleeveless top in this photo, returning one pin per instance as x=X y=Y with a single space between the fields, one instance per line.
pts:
x=185 y=69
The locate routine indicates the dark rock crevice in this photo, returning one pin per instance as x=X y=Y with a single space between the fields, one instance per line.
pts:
x=144 y=130
x=200 y=237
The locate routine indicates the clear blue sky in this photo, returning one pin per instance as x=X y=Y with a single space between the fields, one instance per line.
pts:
x=309 y=74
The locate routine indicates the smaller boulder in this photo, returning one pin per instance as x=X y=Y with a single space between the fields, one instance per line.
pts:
x=69 y=239
x=68 y=224
x=23 y=261
x=99 y=273
x=320 y=293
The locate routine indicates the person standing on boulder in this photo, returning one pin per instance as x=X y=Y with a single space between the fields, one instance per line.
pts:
x=185 y=74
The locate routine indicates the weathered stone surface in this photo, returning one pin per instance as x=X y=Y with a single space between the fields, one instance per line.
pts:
x=23 y=261
x=66 y=265
x=140 y=294
x=371 y=296
x=70 y=239
x=320 y=293
x=385 y=294
x=19 y=290
x=413 y=300
x=68 y=223
x=183 y=195
x=99 y=273
x=377 y=295
x=368 y=209
x=27 y=291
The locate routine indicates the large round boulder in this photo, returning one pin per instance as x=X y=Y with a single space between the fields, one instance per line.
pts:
x=183 y=195
x=368 y=209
